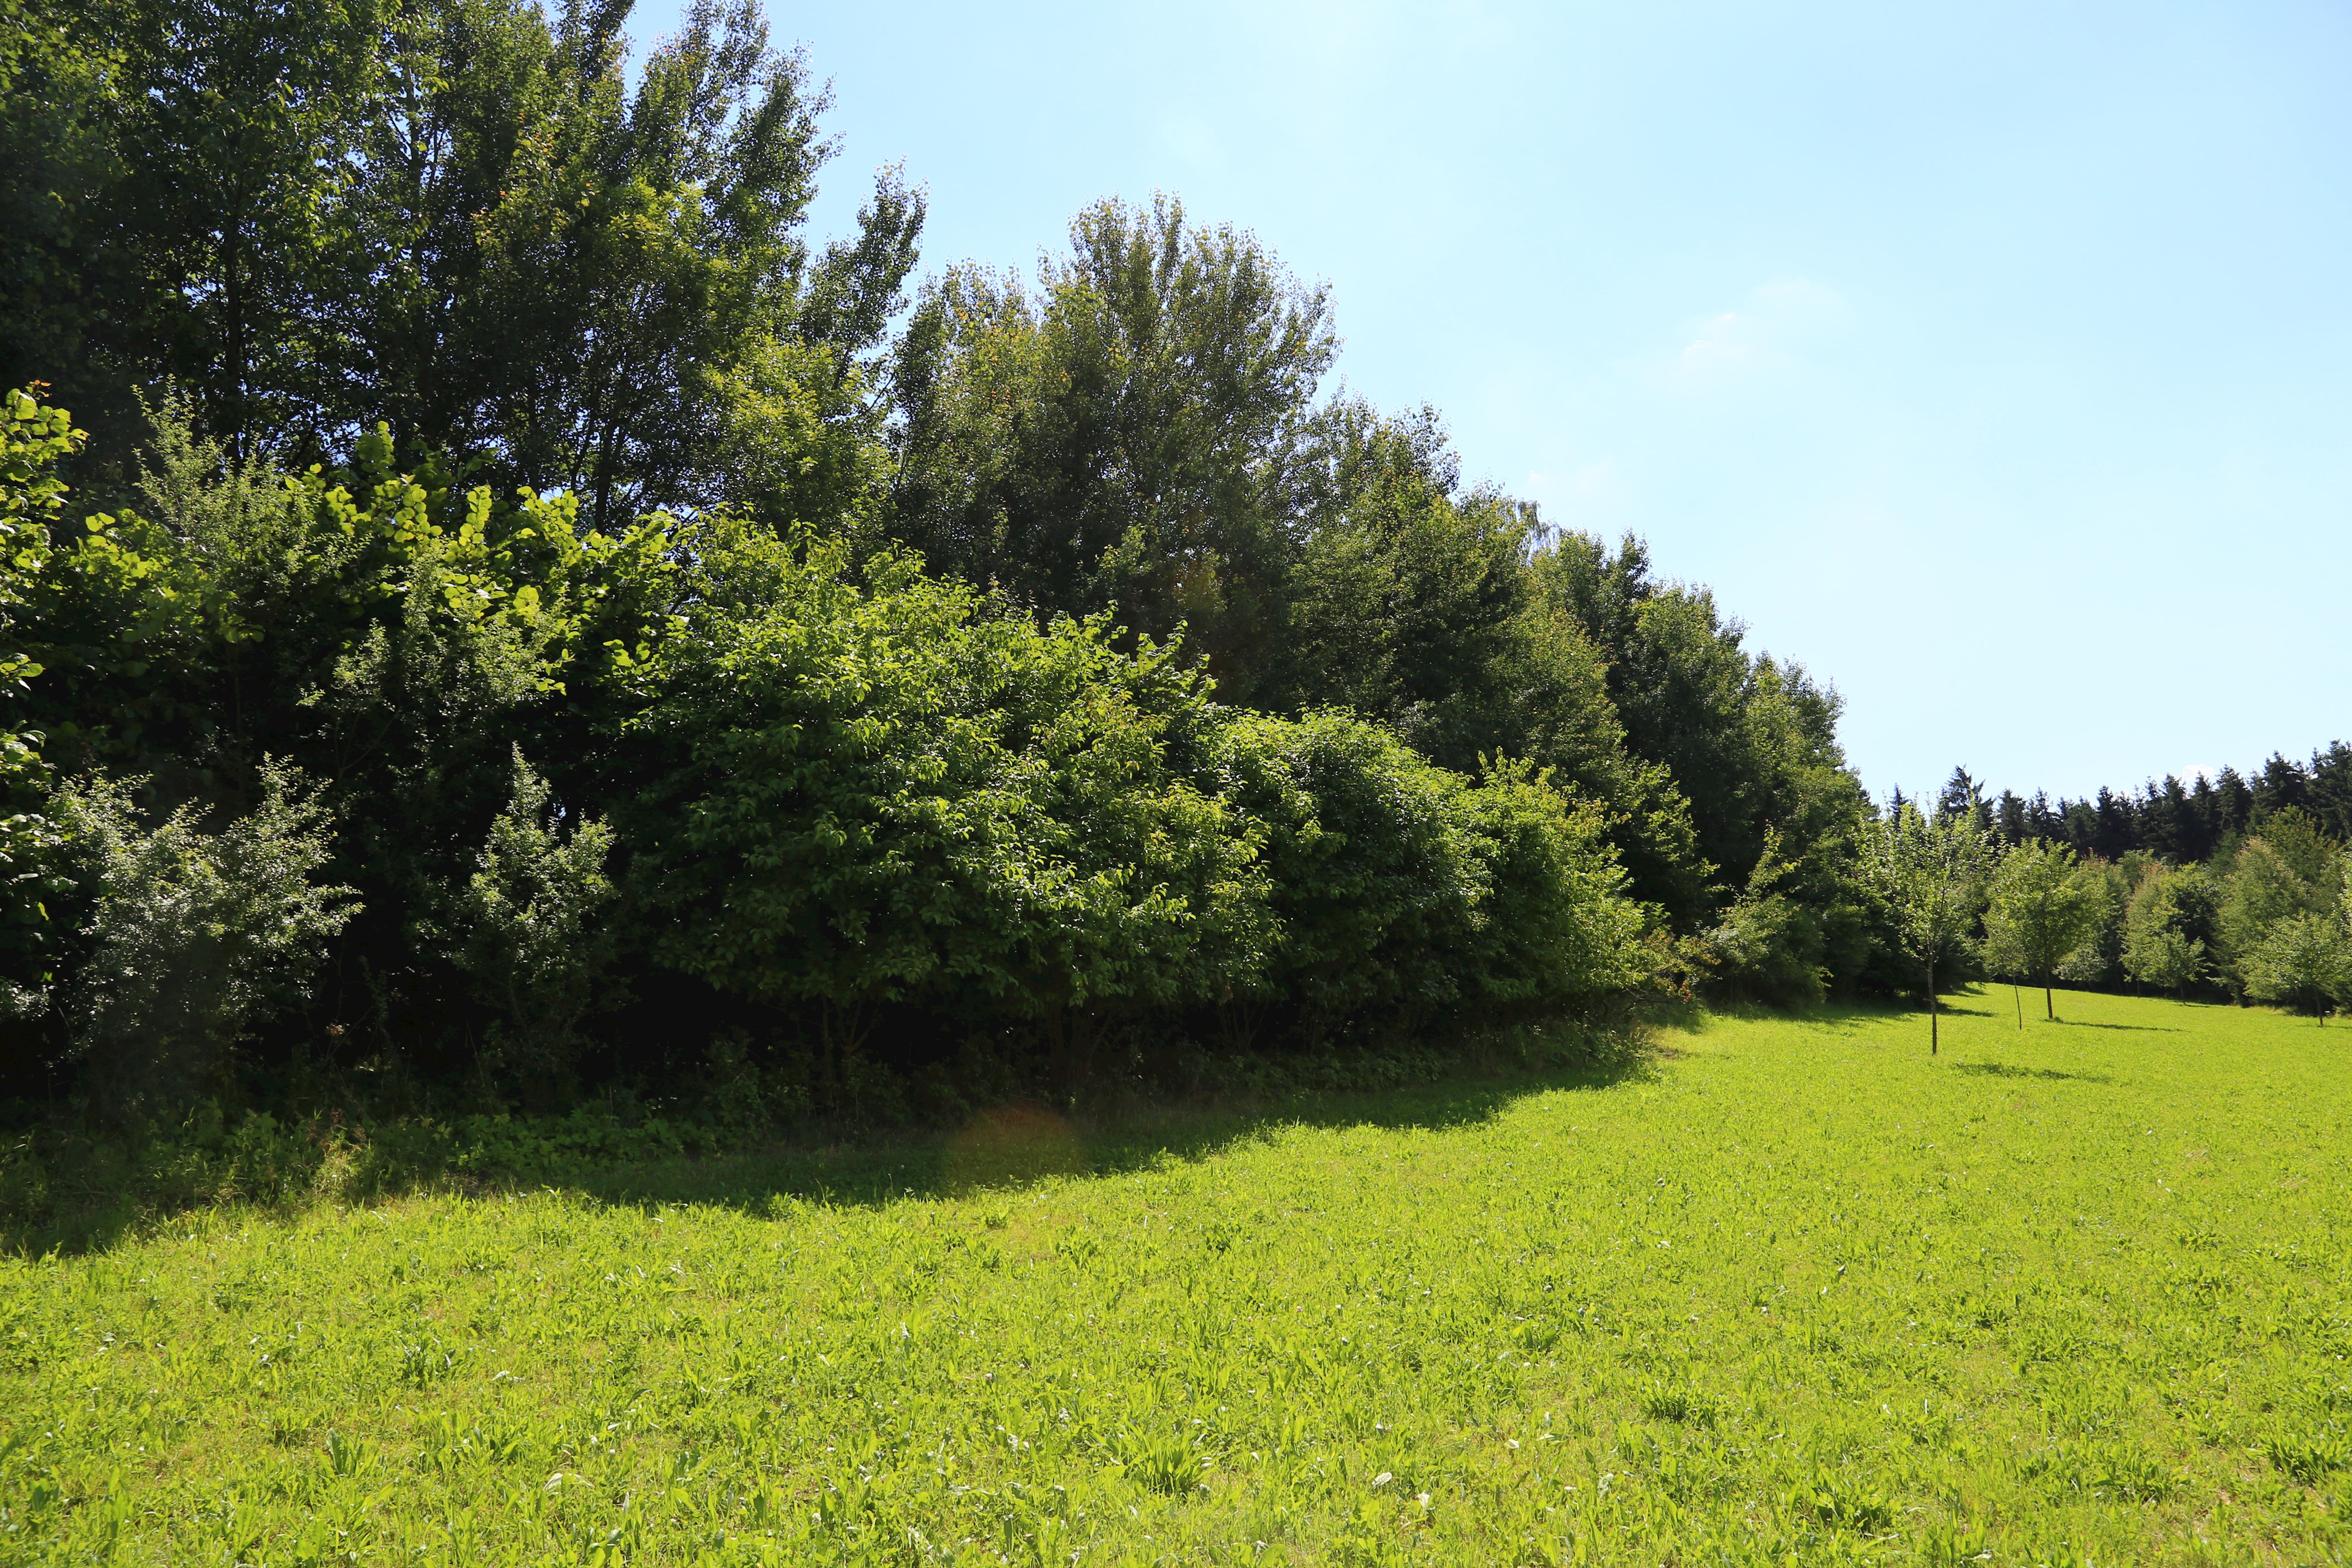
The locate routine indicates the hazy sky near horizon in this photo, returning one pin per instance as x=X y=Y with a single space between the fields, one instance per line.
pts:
x=1993 y=361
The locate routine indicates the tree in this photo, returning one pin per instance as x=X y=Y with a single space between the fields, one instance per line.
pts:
x=1412 y=605
x=2330 y=790
x=580 y=288
x=1749 y=741
x=2099 y=960
x=1927 y=871
x=457 y=218
x=1961 y=794
x=2287 y=870
x=1405 y=601
x=2303 y=962
x=2041 y=912
x=60 y=75
x=241 y=156
x=1131 y=434
x=2163 y=942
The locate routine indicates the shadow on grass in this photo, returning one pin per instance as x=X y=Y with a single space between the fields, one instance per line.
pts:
x=1015 y=1147
x=96 y=1196
x=2004 y=1069
x=1850 y=1015
x=1842 y=1015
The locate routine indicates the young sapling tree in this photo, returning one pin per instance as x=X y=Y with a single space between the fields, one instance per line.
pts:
x=2039 y=913
x=1928 y=871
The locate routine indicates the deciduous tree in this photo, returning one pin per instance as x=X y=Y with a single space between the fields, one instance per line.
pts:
x=2039 y=912
x=2165 y=940
x=1929 y=872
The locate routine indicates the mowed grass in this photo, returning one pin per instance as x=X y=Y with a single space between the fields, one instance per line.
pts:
x=1793 y=1291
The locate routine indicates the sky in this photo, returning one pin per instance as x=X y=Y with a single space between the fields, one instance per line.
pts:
x=1993 y=361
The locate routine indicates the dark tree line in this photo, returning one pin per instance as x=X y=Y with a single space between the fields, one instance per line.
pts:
x=2192 y=822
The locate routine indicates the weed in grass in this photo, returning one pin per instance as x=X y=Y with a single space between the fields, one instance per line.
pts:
x=2309 y=1460
x=1171 y=1463
x=1838 y=1501
x=1948 y=1546
x=1665 y=1402
x=346 y=1456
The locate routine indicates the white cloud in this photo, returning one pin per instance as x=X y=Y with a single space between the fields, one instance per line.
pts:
x=1770 y=330
x=1723 y=342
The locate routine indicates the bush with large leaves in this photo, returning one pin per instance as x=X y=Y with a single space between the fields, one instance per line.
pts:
x=889 y=793
x=866 y=794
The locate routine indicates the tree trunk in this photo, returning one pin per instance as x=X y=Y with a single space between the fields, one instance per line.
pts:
x=1932 y=1043
x=231 y=411
x=2018 y=997
x=2048 y=1003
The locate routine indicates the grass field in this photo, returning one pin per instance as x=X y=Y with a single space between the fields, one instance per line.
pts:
x=1791 y=1291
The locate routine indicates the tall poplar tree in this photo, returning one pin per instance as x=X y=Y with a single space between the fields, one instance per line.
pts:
x=1133 y=432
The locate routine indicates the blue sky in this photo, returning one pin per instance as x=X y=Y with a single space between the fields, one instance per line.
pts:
x=1992 y=361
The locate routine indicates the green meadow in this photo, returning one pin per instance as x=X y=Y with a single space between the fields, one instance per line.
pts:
x=1783 y=1289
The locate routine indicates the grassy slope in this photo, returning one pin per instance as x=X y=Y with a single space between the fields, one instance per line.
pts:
x=1796 y=1289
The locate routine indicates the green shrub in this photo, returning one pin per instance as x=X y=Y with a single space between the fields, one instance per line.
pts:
x=1376 y=882
x=1404 y=891
x=2288 y=870
x=2098 y=960
x=193 y=937
x=32 y=441
x=891 y=794
x=829 y=792
x=1554 y=929
x=1769 y=946
x=534 y=936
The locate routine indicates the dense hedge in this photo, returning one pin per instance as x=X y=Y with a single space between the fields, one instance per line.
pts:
x=778 y=790
x=889 y=791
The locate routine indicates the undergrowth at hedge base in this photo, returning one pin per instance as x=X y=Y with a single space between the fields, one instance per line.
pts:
x=65 y=1188
x=2071 y=1293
